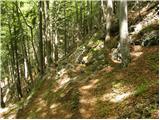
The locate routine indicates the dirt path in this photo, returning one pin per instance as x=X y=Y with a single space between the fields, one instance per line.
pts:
x=107 y=93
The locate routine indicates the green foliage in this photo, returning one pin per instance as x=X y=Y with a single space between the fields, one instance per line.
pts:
x=75 y=100
x=102 y=109
x=149 y=28
x=140 y=89
x=153 y=61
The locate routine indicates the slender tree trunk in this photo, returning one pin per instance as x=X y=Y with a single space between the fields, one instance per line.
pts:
x=65 y=34
x=88 y=17
x=44 y=37
x=32 y=38
x=48 y=38
x=81 y=19
x=41 y=57
x=77 y=22
x=27 y=64
x=123 y=21
x=91 y=15
x=84 y=26
x=56 y=47
x=107 y=12
x=33 y=46
x=2 y=102
x=18 y=81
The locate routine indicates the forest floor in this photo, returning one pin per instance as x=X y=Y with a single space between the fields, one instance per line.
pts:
x=110 y=92
x=95 y=89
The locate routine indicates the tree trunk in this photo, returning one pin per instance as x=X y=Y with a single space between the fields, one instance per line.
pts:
x=123 y=21
x=2 y=102
x=18 y=81
x=27 y=64
x=56 y=47
x=65 y=34
x=41 y=40
x=91 y=16
x=88 y=17
x=107 y=12
x=48 y=40
x=81 y=19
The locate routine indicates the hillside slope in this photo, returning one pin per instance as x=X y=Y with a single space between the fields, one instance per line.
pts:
x=83 y=86
x=110 y=92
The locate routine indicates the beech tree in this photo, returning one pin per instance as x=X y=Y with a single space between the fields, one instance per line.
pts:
x=123 y=23
x=107 y=8
x=41 y=52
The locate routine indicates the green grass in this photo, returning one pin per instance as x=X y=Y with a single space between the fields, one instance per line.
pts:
x=102 y=109
x=153 y=61
x=140 y=89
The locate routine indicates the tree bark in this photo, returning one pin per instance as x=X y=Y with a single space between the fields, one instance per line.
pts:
x=107 y=7
x=18 y=81
x=48 y=40
x=65 y=34
x=123 y=21
x=41 y=57
x=56 y=47
x=2 y=102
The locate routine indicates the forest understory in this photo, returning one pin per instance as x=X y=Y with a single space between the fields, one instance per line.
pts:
x=80 y=83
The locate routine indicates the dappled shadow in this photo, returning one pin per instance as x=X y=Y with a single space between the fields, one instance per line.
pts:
x=9 y=112
x=108 y=93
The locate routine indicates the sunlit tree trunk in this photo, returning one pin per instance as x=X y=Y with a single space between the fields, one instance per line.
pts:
x=32 y=38
x=48 y=38
x=107 y=7
x=34 y=49
x=88 y=17
x=56 y=47
x=65 y=34
x=27 y=64
x=77 y=21
x=123 y=23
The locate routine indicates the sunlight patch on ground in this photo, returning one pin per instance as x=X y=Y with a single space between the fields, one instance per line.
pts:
x=85 y=113
x=118 y=94
x=89 y=86
x=54 y=105
x=40 y=103
x=69 y=115
x=64 y=80
x=136 y=54
x=89 y=100
x=9 y=111
x=39 y=109
x=62 y=72
x=106 y=69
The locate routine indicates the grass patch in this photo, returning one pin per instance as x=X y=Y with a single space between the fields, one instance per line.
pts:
x=32 y=115
x=141 y=89
x=75 y=100
x=101 y=109
x=149 y=28
x=153 y=61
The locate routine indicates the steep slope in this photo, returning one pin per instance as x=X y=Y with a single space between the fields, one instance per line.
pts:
x=84 y=86
x=106 y=93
